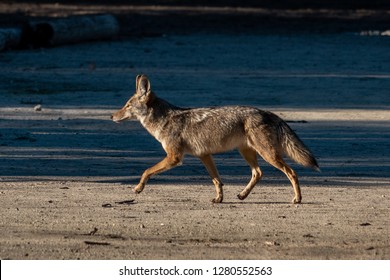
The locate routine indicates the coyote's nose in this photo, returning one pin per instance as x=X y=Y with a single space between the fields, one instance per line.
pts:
x=112 y=116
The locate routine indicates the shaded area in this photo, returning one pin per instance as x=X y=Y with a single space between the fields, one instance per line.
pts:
x=79 y=86
x=302 y=71
x=55 y=148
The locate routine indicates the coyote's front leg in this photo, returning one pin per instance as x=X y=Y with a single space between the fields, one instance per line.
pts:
x=170 y=161
x=212 y=169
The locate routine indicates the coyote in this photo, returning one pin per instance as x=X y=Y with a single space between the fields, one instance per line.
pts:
x=202 y=132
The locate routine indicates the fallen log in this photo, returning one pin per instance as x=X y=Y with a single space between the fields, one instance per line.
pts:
x=71 y=30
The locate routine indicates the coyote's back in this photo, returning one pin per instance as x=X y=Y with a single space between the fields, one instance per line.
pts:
x=205 y=131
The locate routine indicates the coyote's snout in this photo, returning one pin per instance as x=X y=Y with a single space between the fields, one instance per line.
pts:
x=202 y=132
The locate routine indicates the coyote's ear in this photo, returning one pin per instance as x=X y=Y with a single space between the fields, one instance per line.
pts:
x=136 y=82
x=142 y=85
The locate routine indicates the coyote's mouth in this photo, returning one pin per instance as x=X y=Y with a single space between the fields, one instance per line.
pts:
x=118 y=120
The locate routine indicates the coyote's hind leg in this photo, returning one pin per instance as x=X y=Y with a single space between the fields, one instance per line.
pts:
x=265 y=144
x=251 y=158
x=277 y=161
x=292 y=176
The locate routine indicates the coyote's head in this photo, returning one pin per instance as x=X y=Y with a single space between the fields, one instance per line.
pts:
x=136 y=107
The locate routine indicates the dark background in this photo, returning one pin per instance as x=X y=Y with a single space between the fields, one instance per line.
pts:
x=279 y=4
x=283 y=16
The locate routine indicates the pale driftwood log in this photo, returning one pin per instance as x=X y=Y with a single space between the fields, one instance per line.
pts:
x=73 y=30
x=10 y=38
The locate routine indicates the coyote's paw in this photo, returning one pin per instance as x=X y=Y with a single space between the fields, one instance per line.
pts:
x=138 y=189
x=217 y=199
x=241 y=197
x=297 y=200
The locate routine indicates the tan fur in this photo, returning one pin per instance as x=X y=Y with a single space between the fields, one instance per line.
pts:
x=202 y=132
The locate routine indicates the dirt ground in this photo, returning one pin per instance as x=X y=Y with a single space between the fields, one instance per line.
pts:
x=66 y=169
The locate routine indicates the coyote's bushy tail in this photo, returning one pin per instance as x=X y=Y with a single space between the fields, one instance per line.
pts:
x=294 y=148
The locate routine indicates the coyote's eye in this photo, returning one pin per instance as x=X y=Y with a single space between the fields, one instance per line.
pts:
x=129 y=103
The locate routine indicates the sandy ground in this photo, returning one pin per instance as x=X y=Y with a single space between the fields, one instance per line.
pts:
x=66 y=169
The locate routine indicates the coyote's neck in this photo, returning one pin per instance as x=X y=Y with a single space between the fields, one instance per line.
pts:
x=157 y=117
